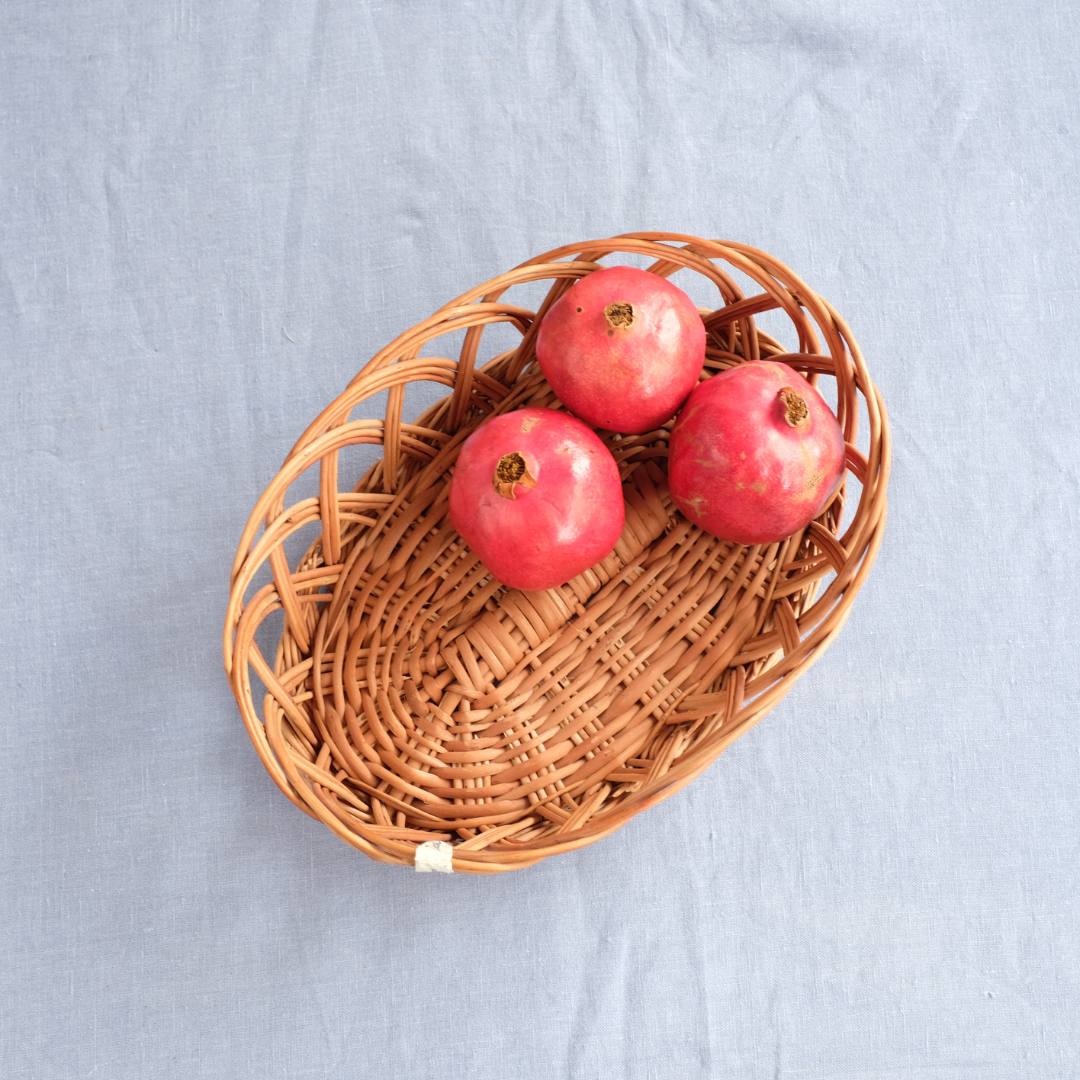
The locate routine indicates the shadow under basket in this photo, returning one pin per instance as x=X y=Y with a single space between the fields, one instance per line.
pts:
x=432 y=718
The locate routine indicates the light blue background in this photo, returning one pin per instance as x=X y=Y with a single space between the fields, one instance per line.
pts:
x=210 y=214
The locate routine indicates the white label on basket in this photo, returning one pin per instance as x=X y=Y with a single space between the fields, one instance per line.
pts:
x=435 y=857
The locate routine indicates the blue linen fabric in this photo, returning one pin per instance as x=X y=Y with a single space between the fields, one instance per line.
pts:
x=211 y=214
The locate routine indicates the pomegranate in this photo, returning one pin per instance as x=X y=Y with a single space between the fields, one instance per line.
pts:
x=622 y=348
x=756 y=454
x=537 y=496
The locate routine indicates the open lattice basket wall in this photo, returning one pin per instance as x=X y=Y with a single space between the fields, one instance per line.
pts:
x=410 y=699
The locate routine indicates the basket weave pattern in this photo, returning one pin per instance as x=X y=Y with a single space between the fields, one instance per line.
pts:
x=410 y=698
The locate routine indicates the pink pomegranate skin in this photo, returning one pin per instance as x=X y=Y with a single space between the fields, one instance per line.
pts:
x=755 y=455
x=537 y=496
x=622 y=348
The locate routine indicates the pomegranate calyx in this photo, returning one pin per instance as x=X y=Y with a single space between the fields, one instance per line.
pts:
x=619 y=316
x=796 y=412
x=510 y=471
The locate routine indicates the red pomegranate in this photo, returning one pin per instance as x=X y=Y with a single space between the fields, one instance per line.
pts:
x=537 y=496
x=756 y=454
x=622 y=348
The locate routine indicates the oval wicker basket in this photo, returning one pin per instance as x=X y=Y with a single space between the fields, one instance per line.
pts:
x=414 y=706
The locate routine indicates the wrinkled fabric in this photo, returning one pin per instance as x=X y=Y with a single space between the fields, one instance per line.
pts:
x=210 y=215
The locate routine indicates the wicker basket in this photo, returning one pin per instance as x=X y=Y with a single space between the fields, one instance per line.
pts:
x=430 y=717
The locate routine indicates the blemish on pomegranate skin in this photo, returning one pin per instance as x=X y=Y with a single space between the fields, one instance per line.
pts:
x=529 y=423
